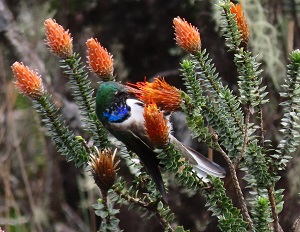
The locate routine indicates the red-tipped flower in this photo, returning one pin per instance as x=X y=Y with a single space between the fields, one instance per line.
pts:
x=186 y=35
x=156 y=125
x=28 y=82
x=241 y=22
x=166 y=97
x=99 y=59
x=104 y=168
x=58 y=39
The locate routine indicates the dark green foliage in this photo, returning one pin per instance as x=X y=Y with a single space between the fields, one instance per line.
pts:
x=229 y=217
x=291 y=109
x=83 y=95
x=261 y=214
x=219 y=107
x=248 y=73
x=66 y=142
x=249 y=79
x=104 y=209
x=229 y=26
x=257 y=166
x=194 y=101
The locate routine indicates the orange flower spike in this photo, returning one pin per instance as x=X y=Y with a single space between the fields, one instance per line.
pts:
x=186 y=35
x=156 y=125
x=28 y=82
x=99 y=59
x=166 y=97
x=104 y=168
x=241 y=22
x=58 y=40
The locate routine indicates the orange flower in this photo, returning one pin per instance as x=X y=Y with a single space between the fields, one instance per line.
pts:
x=187 y=36
x=241 y=22
x=99 y=59
x=58 y=40
x=166 y=97
x=28 y=82
x=156 y=125
x=104 y=168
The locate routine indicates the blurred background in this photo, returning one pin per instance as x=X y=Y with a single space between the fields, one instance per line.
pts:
x=39 y=190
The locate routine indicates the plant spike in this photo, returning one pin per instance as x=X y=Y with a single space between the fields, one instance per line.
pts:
x=83 y=95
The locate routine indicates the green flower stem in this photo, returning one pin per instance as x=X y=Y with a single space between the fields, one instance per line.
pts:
x=219 y=89
x=219 y=107
x=291 y=110
x=251 y=93
x=233 y=35
x=104 y=209
x=107 y=219
x=64 y=139
x=83 y=95
x=260 y=213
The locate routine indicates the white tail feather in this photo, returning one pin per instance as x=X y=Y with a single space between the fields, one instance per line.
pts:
x=201 y=164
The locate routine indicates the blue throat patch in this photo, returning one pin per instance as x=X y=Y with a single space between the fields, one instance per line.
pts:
x=118 y=114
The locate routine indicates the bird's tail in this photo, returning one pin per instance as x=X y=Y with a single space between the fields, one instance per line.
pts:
x=201 y=164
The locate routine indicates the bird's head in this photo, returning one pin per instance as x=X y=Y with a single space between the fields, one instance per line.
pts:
x=111 y=102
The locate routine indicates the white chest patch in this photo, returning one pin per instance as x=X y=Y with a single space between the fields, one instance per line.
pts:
x=136 y=118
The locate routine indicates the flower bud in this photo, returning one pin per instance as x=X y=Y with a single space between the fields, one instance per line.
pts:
x=104 y=168
x=186 y=35
x=156 y=125
x=28 y=82
x=165 y=96
x=100 y=61
x=241 y=22
x=58 y=40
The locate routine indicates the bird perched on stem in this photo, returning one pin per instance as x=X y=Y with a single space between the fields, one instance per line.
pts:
x=123 y=115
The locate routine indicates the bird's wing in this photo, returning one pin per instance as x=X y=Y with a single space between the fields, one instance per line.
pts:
x=201 y=164
x=147 y=157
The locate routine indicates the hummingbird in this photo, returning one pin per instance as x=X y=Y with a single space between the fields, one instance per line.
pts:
x=121 y=113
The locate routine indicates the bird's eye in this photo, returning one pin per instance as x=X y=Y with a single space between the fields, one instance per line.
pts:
x=119 y=93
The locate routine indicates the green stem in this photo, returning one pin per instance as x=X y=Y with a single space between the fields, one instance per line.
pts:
x=105 y=207
x=64 y=139
x=217 y=86
x=83 y=95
